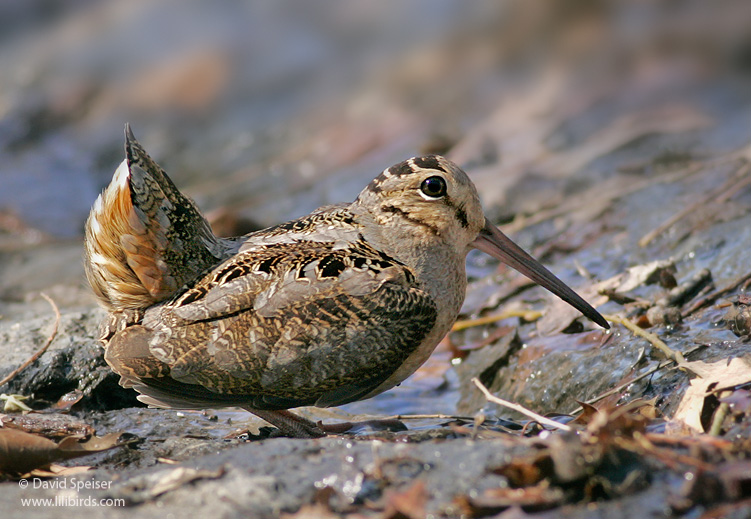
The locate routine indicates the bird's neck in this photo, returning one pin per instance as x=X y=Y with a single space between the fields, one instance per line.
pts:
x=439 y=267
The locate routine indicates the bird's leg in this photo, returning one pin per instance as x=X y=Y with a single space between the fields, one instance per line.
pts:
x=296 y=426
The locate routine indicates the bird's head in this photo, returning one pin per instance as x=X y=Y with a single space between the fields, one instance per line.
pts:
x=430 y=202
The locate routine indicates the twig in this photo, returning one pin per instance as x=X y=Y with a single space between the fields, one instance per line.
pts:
x=41 y=350
x=573 y=203
x=621 y=387
x=684 y=292
x=719 y=415
x=428 y=417
x=655 y=341
x=527 y=315
x=641 y=445
x=709 y=298
x=518 y=408
x=689 y=441
x=722 y=193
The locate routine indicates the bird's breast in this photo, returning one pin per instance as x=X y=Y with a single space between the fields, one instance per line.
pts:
x=446 y=284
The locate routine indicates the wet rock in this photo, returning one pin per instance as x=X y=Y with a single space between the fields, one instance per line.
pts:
x=487 y=364
x=551 y=374
x=74 y=360
x=280 y=475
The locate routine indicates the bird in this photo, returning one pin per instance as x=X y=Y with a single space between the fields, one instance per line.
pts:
x=333 y=307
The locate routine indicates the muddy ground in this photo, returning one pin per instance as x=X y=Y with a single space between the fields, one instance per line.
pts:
x=610 y=139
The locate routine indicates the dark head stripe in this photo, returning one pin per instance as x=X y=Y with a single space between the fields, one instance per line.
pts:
x=428 y=162
x=407 y=167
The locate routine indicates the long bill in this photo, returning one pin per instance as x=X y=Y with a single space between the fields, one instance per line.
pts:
x=492 y=241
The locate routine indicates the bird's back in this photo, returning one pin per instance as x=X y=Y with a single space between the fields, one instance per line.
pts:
x=282 y=323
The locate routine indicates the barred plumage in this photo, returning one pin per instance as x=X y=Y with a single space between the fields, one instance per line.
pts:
x=333 y=307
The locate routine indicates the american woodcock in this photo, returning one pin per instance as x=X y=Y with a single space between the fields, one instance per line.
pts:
x=337 y=306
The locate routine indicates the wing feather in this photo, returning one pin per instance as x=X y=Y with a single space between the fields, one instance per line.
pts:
x=317 y=340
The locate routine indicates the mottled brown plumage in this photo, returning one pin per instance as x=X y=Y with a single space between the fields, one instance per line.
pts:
x=334 y=307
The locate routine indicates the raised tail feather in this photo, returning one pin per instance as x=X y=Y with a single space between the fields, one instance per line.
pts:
x=144 y=239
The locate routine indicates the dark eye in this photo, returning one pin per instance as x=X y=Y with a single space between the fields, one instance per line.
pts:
x=434 y=187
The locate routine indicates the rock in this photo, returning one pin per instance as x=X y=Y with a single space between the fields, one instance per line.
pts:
x=74 y=360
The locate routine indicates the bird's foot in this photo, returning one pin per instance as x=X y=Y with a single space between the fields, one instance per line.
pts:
x=295 y=426
x=292 y=425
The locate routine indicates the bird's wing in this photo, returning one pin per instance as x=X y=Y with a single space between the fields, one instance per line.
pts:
x=300 y=325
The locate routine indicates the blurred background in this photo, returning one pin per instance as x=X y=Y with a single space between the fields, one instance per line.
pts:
x=262 y=111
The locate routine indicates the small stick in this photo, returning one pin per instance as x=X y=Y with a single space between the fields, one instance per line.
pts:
x=518 y=408
x=676 y=356
x=688 y=441
x=41 y=350
x=721 y=193
x=428 y=417
x=527 y=315
x=709 y=298
x=719 y=416
x=522 y=222
x=621 y=387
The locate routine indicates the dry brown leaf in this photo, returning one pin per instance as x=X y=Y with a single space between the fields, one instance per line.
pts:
x=68 y=400
x=181 y=476
x=724 y=373
x=526 y=472
x=710 y=378
x=146 y=487
x=55 y=470
x=494 y=500
x=21 y=452
x=49 y=425
x=409 y=503
x=588 y=412
x=559 y=315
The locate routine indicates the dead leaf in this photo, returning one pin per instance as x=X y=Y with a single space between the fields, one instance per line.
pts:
x=711 y=378
x=144 y=488
x=494 y=500
x=525 y=472
x=51 y=426
x=181 y=476
x=409 y=503
x=559 y=315
x=21 y=452
x=55 y=470
x=645 y=274
x=588 y=412
x=620 y=421
x=68 y=400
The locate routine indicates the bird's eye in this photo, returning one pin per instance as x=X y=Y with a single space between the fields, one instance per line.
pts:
x=433 y=187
